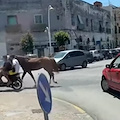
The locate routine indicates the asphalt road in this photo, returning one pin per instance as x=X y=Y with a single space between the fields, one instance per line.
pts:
x=82 y=88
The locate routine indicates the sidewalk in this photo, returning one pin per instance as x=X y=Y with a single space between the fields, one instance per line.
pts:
x=25 y=106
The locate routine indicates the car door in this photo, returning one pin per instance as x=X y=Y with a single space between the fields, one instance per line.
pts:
x=81 y=57
x=74 y=57
x=69 y=59
x=115 y=71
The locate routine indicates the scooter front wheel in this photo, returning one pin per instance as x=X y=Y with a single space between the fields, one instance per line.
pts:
x=17 y=85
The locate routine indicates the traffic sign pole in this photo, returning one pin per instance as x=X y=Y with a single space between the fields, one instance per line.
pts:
x=46 y=116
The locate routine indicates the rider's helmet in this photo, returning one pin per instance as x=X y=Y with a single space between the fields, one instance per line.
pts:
x=4 y=57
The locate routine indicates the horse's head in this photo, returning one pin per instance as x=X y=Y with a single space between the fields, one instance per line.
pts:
x=55 y=65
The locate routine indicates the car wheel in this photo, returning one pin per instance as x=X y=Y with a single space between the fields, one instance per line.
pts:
x=104 y=84
x=84 y=64
x=63 y=67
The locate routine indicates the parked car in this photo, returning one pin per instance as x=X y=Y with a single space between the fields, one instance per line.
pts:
x=90 y=57
x=1 y=63
x=32 y=55
x=97 y=55
x=71 y=58
x=111 y=75
x=114 y=52
x=106 y=53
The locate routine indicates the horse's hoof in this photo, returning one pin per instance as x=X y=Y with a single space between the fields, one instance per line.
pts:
x=56 y=82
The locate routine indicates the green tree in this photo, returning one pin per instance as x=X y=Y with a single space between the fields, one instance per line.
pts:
x=27 y=43
x=61 y=37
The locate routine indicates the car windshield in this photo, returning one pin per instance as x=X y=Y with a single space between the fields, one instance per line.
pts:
x=60 y=55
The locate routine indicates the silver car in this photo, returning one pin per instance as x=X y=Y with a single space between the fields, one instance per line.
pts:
x=71 y=58
x=1 y=63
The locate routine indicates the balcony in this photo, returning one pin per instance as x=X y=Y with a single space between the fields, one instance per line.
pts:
x=38 y=27
x=13 y=28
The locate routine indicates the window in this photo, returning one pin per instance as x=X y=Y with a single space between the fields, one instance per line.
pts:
x=86 y=21
x=115 y=29
x=116 y=63
x=12 y=20
x=93 y=40
x=76 y=53
x=91 y=24
x=115 y=17
x=119 y=29
x=106 y=24
x=100 y=26
x=58 y=17
x=72 y=54
x=73 y=19
x=80 y=53
x=38 y=19
x=79 y=19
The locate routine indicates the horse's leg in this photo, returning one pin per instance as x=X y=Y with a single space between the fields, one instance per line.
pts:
x=53 y=78
x=32 y=77
x=50 y=79
x=23 y=74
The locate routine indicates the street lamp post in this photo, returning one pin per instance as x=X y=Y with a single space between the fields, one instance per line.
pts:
x=49 y=33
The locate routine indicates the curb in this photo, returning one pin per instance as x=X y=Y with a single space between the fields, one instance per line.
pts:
x=76 y=107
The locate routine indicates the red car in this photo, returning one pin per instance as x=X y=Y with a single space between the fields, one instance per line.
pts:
x=111 y=75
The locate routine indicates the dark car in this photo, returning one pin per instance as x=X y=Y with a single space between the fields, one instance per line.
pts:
x=111 y=75
x=106 y=53
x=114 y=52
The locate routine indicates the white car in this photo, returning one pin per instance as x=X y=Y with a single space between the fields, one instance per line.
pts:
x=97 y=55
x=1 y=63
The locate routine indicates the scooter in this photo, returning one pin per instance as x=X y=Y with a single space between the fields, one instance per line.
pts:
x=16 y=82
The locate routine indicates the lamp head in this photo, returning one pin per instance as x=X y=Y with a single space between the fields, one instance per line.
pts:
x=50 y=7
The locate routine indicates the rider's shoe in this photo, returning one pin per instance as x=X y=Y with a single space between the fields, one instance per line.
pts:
x=1 y=82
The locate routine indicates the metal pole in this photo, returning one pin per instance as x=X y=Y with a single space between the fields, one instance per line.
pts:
x=46 y=116
x=49 y=34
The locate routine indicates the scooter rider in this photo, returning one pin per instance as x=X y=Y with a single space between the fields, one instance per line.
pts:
x=7 y=66
x=15 y=65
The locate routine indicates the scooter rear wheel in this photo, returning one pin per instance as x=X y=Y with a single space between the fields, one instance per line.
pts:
x=17 y=85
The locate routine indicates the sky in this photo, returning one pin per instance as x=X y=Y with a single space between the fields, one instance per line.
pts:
x=105 y=2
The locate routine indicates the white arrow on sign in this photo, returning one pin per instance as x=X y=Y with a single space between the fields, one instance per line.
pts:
x=47 y=97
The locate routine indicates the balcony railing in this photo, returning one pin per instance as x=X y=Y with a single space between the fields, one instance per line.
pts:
x=13 y=28
x=38 y=27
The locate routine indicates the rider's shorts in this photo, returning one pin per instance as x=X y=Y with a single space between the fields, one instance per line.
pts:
x=12 y=73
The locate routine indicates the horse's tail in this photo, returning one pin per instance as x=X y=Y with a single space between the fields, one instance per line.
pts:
x=55 y=66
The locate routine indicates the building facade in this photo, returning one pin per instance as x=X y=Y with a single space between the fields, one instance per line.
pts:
x=116 y=13
x=89 y=25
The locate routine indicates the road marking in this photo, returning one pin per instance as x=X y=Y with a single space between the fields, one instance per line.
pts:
x=76 y=107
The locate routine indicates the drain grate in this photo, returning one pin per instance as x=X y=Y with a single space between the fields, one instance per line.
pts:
x=36 y=111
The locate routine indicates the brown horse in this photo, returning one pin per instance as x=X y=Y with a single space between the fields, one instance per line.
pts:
x=30 y=64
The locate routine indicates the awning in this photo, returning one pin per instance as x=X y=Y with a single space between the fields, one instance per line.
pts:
x=80 y=19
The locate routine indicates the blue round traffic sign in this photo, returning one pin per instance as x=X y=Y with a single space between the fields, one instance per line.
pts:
x=44 y=93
